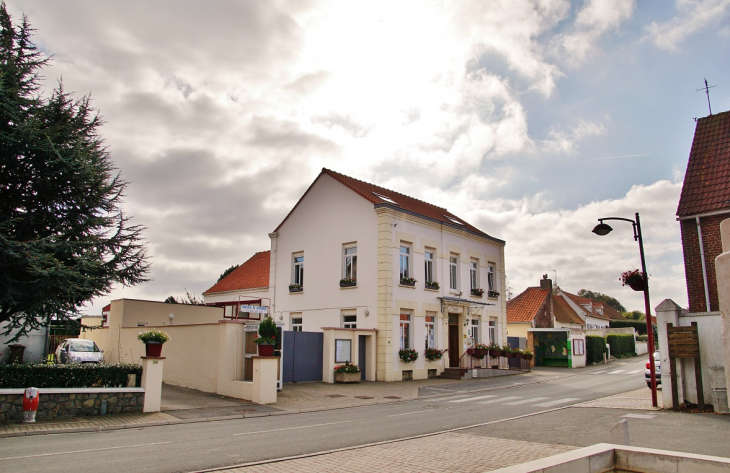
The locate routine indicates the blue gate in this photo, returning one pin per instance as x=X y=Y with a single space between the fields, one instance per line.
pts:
x=302 y=353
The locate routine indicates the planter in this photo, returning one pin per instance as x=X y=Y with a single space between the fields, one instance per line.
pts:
x=409 y=284
x=433 y=288
x=637 y=284
x=296 y=289
x=495 y=353
x=507 y=354
x=266 y=350
x=476 y=294
x=153 y=349
x=347 y=377
x=348 y=284
x=518 y=355
x=526 y=357
x=481 y=352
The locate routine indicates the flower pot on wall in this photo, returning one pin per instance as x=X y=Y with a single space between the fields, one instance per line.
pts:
x=153 y=349
x=266 y=350
x=495 y=353
x=347 y=377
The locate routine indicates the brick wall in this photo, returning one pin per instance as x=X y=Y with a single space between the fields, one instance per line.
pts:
x=712 y=244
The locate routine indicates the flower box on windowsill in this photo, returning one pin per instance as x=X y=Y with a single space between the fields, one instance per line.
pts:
x=410 y=282
x=296 y=288
x=493 y=295
x=477 y=292
x=347 y=282
x=431 y=288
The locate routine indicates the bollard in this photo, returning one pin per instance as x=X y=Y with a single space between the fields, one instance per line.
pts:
x=30 y=404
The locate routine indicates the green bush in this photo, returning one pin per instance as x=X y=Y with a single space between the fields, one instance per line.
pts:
x=642 y=338
x=67 y=376
x=621 y=344
x=639 y=326
x=595 y=348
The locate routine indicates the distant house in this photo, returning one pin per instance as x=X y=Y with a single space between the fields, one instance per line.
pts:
x=247 y=285
x=703 y=204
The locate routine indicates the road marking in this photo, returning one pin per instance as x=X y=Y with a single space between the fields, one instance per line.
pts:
x=525 y=401
x=639 y=416
x=599 y=372
x=408 y=413
x=295 y=428
x=635 y=371
x=616 y=372
x=559 y=401
x=85 y=451
x=500 y=399
x=475 y=398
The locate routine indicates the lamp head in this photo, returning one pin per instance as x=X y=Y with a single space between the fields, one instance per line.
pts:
x=602 y=229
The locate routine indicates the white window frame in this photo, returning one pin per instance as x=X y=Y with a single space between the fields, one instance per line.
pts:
x=429 y=265
x=351 y=272
x=404 y=261
x=492 y=331
x=454 y=272
x=474 y=273
x=430 y=331
x=405 y=330
x=491 y=283
x=297 y=273
x=296 y=323
x=474 y=330
x=349 y=320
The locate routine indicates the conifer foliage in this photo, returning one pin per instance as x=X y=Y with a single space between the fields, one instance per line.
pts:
x=63 y=236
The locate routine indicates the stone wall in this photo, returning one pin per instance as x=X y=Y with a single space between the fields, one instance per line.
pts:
x=60 y=403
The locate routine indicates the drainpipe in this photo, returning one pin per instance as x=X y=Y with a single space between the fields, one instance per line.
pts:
x=704 y=265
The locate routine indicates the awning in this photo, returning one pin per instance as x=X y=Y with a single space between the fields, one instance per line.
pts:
x=472 y=307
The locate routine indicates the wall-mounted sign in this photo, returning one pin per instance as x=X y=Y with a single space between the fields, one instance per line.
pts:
x=343 y=351
x=253 y=309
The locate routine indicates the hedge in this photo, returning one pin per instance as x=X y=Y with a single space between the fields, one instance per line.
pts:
x=68 y=376
x=621 y=344
x=642 y=338
x=595 y=348
x=639 y=326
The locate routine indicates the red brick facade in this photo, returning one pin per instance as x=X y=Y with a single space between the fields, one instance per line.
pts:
x=712 y=245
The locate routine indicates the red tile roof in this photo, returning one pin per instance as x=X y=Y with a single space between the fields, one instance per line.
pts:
x=564 y=312
x=252 y=274
x=581 y=301
x=524 y=307
x=402 y=202
x=707 y=180
x=612 y=313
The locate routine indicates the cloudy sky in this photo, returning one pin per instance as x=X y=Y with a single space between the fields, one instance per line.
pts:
x=529 y=119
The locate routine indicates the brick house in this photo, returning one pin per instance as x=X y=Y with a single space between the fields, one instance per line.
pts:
x=704 y=203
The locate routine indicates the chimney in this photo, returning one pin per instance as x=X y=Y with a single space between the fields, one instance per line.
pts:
x=546 y=283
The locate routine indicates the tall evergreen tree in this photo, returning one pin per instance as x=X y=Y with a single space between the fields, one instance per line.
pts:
x=228 y=271
x=63 y=237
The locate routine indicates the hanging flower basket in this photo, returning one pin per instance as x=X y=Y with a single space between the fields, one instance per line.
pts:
x=634 y=279
x=495 y=351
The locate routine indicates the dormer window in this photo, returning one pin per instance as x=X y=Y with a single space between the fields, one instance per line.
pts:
x=386 y=199
x=452 y=219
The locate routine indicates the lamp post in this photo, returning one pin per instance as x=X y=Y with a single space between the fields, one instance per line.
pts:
x=604 y=229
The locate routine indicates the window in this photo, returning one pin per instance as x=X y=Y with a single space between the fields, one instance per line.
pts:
x=454 y=272
x=428 y=257
x=405 y=331
x=298 y=270
x=579 y=347
x=296 y=324
x=490 y=278
x=405 y=262
x=452 y=219
x=493 y=331
x=430 y=332
x=474 y=330
x=474 y=273
x=350 y=263
x=385 y=198
x=349 y=321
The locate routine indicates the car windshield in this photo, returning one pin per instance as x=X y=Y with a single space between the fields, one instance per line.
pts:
x=83 y=345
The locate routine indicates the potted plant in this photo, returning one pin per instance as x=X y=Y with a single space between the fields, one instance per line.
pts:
x=434 y=354
x=408 y=355
x=267 y=337
x=481 y=350
x=153 y=340
x=295 y=288
x=527 y=355
x=495 y=351
x=475 y=353
x=477 y=291
x=493 y=294
x=347 y=373
x=506 y=351
x=408 y=281
x=347 y=282
x=517 y=353
x=634 y=279
x=432 y=285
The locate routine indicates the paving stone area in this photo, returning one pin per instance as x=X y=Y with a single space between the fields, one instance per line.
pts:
x=437 y=453
x=639 y=399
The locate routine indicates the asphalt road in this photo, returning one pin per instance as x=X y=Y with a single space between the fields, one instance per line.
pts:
x=190 y=447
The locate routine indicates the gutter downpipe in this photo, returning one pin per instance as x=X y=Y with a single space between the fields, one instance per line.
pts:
x=704 y=264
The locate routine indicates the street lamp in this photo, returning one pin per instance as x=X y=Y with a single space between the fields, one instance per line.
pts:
x=603 y=229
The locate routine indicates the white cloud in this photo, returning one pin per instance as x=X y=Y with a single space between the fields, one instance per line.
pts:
x=692 y=16
x=568 y=142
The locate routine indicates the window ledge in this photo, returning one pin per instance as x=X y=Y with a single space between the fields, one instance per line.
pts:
x=354 y=286
x=432 y=289
x=408 y=286
x=296 y=291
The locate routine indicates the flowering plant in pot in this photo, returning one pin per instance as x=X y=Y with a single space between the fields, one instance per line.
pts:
x=267 y=337
x=408 y=355
x=347 y=373
x=527 y=355
x=634 y=279
x=433 y=354
x=153 y=340
x=432 y=285
x=408 y=281
x=477 y=291
x=506 y=351
x=481 y=350
x=347 y=282
x=495 y=351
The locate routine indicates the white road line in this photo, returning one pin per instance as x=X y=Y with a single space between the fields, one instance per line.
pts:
x=599 y=372
x=499 y=400
x=525 y=401
x=295 y=428
x=408 y=413
x=84 y=451
x=635 y=371
x=559 y=401
x=475 y=398
x=616 y=372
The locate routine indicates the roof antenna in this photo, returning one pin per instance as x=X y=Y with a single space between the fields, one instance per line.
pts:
x=707 y=88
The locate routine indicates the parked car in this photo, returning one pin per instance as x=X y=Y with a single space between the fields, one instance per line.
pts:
x=647 y=371
x=79 y=350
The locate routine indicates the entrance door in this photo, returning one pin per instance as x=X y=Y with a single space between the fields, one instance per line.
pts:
x=362 y=355
x=302 y=356
x=453 y=340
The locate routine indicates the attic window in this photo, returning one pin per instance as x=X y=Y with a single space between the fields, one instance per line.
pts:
x=387 y=199
x=452 y=219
